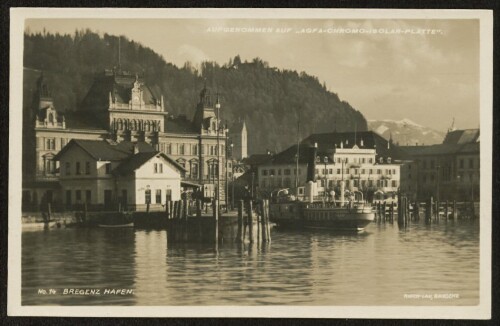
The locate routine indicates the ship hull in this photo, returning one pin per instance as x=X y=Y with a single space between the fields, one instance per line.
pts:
x=302 y=216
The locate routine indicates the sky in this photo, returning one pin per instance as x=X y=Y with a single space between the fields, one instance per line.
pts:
x=423 y=70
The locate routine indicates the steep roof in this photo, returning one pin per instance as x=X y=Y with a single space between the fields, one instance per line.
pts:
x=105 y=150
x=135 y=161
x=256 y=159
x=441 y=149
x=371 y=140
x=119 y=85
x=461 y=136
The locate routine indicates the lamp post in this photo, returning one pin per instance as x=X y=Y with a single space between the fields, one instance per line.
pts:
x=217 y=108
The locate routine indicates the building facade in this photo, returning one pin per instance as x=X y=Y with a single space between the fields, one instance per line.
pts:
x=448 y=171
x=120 y=107
x=364 y=161
x=107 y=174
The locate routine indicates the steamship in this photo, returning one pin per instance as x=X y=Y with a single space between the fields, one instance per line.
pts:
x=346 y=214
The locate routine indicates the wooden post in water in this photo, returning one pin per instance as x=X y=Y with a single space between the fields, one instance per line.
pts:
x=401 y=220
x=268 y=223
x=428 y=210
x=49 y=212
x=184 y=208
x=446 y=210
x=455 y=215
x=251 y=234
x=383 y=211
x=239 y=234
x=263 y=227
x=198 y=208
x=392 y=212
x=216 y=219
x=437 y=209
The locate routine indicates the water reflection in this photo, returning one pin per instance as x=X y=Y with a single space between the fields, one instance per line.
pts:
x=298 y=268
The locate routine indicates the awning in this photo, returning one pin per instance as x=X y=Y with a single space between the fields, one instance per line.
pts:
x=190 y=184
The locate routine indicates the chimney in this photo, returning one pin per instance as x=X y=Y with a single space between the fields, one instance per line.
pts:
x=311 y=163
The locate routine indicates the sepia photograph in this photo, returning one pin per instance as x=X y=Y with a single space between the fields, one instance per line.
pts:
x=250 y=162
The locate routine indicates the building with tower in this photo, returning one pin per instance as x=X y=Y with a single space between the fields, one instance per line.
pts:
x=119 y=107
x=238 y=137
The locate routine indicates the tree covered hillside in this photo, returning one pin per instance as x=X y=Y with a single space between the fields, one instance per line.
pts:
x=269 y=99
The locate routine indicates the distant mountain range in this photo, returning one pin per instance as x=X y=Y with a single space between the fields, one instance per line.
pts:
x=406 y=132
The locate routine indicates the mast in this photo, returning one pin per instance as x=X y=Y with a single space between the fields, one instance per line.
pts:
x=297 y=160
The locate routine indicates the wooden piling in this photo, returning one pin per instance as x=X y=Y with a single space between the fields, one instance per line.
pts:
x=198 y=208
x=216 y=219
x=184 y=208
x=455 y=215
x=263 y=227
x=446 y=210
x=383 y=211
x=268 y=223
x=251 y=234
x=392 y=212
x=428 y=210
x=239 y=234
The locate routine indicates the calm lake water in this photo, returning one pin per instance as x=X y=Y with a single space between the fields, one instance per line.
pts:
x=377 y=267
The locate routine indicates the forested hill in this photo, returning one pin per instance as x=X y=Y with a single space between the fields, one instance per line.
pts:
x=270 y=100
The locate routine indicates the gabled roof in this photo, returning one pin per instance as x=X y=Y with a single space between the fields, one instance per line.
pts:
x=135 y=161
x=441 y=149
x=104 y=150
x=461 y=136
x=97 y=149
x=371 y=140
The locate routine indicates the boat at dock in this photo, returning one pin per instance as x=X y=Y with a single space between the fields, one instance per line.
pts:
x=288 y=212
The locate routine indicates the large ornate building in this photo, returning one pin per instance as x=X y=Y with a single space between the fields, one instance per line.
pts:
x=120 y=107
x=364 y=160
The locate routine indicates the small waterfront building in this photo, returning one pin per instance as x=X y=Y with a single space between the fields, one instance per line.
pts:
x=106 y=174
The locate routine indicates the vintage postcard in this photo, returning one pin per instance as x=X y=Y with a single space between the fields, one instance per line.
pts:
x=250 y=162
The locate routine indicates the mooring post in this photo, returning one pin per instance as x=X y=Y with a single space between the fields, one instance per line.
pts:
x=455 y=210
x=392 y=212
x=49 y=212
x=428 y=210
x=383 y=211
x=198 y=208
x=184 y=208
x=216 y=219
x=251 y=234
x=268 y=224
x=239 y=234
x=262 y=204
x=446 y=210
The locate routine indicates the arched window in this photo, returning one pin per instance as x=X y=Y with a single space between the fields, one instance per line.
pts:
x=135 y=125
x=120 y=124
x=51 y=118
x=148 y=126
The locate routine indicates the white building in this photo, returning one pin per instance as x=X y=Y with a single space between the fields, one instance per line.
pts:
x=365 y=161
x=106 y=173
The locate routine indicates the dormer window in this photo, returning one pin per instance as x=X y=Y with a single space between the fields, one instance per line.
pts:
x=381 y=160
x=389 y=160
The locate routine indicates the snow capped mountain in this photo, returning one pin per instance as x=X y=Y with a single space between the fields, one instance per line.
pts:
x=406 y=132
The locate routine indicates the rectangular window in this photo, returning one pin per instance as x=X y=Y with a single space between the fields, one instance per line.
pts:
x=264 y=172
x=67 y=168
x=158 y=196
x=78 y=171
x=279 y=171
x=379 y=171
x=169 y=149
x=362 y=171
x=88 y=196
x=78 y=195
x=338 y=171
x=87 y=167
x=347 y=171
x=271 y=172
x=161 y=167
x=287 y=172
x=330 y=171
x=195 y=149
x=181 y=149
x=108 y=168
x=155 y=168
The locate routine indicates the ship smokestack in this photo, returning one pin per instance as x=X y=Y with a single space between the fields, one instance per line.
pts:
x=311 y=163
